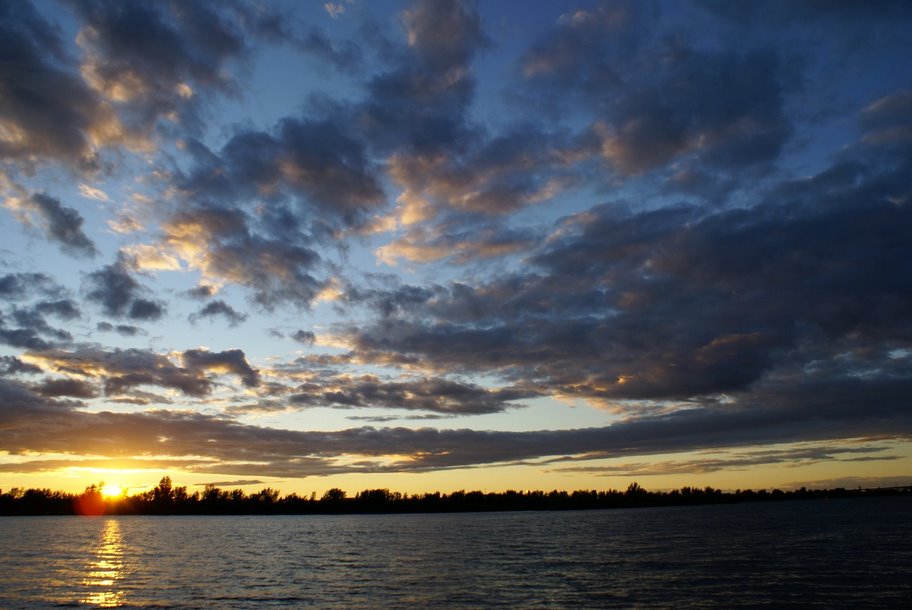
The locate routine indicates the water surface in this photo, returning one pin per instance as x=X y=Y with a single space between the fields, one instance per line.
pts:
x=841 y=553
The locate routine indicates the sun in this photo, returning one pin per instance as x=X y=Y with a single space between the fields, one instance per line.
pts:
x=111 y=490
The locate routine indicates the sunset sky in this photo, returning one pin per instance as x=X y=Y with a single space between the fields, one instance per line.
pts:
x=453 y=245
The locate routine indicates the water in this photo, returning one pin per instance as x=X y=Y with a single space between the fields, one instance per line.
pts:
x=842 y=553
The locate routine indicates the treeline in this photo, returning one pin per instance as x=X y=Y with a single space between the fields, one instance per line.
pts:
x=167 y=499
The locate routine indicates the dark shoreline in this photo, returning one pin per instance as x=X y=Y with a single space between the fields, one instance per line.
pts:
x=166 y=499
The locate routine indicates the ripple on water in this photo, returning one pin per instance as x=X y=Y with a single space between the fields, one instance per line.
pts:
x=800 y=553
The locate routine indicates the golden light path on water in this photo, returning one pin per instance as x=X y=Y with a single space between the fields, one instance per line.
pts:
x=105 y=569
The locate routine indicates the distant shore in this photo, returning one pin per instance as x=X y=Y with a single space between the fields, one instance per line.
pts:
x=166 y=499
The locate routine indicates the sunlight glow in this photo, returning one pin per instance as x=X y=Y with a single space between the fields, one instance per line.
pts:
x=112 y=490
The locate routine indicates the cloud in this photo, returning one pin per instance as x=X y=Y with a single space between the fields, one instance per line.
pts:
x=50 y=465
x=201 y=292
x=119 y=294
x=33 y=331
x=444 y=34
x=742 y=126
x=342 y=56
x=458 y=241
x=61 y=224
x=10 y=365
x=90 y=192
x=48 y=111
x=228 y=361
x=234 y=483
x=126 y=330
x=33 y=320
x=737 y=461
x=675 y=303
x=427 y=394
x=219 y=308
x=219 y=242
x=122 y=371
x=53 y=388
x=256 y=213
x=19 y=286
x=420 y=103
x=454 y=205
x=743 y=280
x=316 y=164
x=38 y=424
x=304 y=337
x=782 y=12
x=654 y=97
x=22 y=337
x=580 y=55
x=157 y=61
x=65 y=309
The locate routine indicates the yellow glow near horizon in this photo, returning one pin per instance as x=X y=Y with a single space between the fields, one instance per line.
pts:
x=112 y=490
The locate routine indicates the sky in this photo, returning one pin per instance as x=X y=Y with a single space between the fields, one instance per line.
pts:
x=443 y=245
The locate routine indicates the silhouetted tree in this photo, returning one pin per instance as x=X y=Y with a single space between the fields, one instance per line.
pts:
x=165 y=498
x=90 y=502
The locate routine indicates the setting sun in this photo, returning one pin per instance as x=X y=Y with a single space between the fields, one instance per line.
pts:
x=111 y=491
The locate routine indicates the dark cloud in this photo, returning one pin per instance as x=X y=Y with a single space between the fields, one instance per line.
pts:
x=278 y=271
x=124 y=329
x=444 y=34
x=219 y=308
x=65 y=309
x=344 y=56
x=891 y=112
x=729 y=113
x=141 y=67
x=55 y=114
x=387 y=298
x=49 y=465
x=146 y=309
x=228 y=361
x=122 y=371
x=33 y=423
x=457 y=176
x=316 y=164
x=304 y=337
x=428 y=394
x=32 y=320
x=19 y=286
x=420 y=103
x=10 y=365
x=775 y=311
x=119 y=294
x=54 y=388
x=655 y=97
x=159 y=60
x=201 y=292
x=810 y=12
x=33 y=331
x=62 y=224
x=454 y=205
x=678 y=302
x=583 y=56
x=22 y=337
x=458 y=239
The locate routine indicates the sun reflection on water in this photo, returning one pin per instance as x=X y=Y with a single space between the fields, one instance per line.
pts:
x=105 y=569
